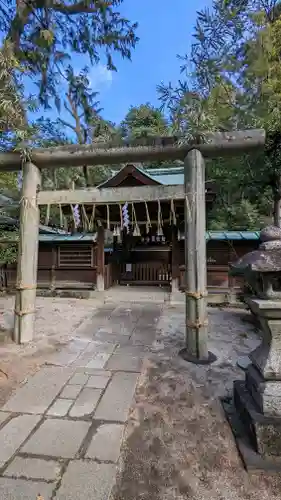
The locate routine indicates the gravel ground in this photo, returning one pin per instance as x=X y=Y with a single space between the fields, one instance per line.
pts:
x=56 y=321
x=178 y=444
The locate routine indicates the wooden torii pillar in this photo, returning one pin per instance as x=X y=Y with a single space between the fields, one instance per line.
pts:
x=100 y=259
x=196 y=318
x=27 y=256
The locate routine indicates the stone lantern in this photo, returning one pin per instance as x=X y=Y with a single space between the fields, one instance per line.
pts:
x=257 y=400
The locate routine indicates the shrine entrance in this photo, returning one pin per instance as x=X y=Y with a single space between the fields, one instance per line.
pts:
x=189 y=197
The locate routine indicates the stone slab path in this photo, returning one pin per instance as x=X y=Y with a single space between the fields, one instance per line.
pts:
x=61 y=432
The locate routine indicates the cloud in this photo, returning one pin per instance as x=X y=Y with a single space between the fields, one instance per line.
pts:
x=100 y=77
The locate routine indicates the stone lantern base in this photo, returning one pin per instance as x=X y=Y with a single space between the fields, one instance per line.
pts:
x=255 y=410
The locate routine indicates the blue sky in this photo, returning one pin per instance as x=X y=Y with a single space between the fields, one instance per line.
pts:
x=165 y=30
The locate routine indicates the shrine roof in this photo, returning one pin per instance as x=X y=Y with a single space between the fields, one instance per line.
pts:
x=6 y=220
x=230 y=235
x=210 y=235
x=233 y=235
x=168 y=176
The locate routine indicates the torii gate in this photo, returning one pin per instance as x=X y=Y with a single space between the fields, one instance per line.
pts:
x=162 y=148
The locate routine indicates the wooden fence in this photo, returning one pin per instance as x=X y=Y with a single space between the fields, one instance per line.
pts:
x=145 y=273
x=140 y=273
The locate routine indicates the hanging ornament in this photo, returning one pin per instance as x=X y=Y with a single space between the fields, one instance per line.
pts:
x=121 y=218
x=108 y=217
x=47 y=218
x=125 y=215
x=85 y=220
x=173 y=219
x=19 y=180
x=148 y=222
x=136 y=231
x=92 y=219
x=179 y=235
x=159 y=221
x=114 y=232
x=76 y=216
x=61 y=216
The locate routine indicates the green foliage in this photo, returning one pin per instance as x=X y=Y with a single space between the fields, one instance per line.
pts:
x=43 y=34
x=143 y=121
x=11 y=109
x=8 y=246
x=241 y=216
x=232 y=81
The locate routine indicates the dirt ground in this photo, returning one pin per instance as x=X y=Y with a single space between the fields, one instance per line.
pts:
x=56 y=321
x=178 y=444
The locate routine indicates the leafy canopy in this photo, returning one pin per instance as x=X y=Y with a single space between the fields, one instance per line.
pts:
x=44 y=32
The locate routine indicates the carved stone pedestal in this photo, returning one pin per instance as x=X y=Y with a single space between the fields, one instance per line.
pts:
x=255 y=414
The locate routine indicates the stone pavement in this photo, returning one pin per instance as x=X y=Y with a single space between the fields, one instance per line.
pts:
x=61 y=432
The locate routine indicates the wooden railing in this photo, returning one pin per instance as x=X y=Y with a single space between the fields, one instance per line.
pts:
x=146 y=273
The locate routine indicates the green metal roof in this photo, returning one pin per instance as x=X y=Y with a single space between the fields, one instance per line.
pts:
x=210 y=235
x=168 y=176
x=67 y=238
x=232 y=235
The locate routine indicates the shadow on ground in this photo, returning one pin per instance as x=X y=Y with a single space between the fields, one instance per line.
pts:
x=178 y=444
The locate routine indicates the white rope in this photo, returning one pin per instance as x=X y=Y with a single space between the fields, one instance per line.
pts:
x=47 y=218
x=148 y=221
x=61 y=216
x=92 y=219
x=159 y=221
x=86 y=221
x=108 y=217
x=136 y=231
x=121 y=217
x=74 y=220
x=173 y=213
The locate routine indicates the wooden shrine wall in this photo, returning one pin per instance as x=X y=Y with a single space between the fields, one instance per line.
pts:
x=73 y=265
x=219 y=255
x=64 y=265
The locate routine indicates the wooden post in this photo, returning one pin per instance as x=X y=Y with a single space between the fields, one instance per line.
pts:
x=27 y=256
x=175 y=260
x=196 y=349
x=100 y=259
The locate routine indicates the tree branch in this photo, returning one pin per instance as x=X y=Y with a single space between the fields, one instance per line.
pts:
x=66 y=124
x=79 y=8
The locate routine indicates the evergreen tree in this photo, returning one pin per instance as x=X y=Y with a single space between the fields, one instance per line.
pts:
x=233 y=83
x=43 y=34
